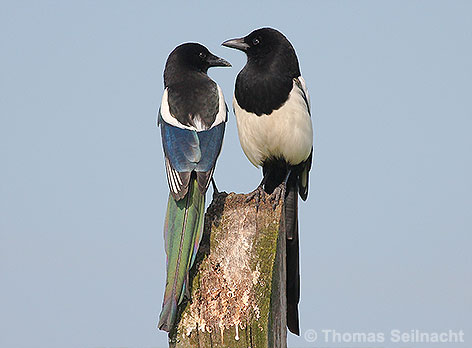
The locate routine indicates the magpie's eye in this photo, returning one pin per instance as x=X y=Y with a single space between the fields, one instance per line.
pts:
x=255 y=41
x=202 y=55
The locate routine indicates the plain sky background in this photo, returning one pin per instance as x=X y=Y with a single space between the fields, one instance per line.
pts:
x=386 y=231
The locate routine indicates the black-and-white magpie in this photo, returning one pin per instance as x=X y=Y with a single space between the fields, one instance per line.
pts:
x=272 y=109
x=192 y=118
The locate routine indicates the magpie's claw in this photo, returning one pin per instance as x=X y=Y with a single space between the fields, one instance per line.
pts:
x=278 y=193
x=258 y=195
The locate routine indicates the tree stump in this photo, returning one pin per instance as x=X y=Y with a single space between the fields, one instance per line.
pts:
x=238 y=295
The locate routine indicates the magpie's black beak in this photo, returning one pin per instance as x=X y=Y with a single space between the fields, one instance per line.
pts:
x=217 y=61
x=238 y=44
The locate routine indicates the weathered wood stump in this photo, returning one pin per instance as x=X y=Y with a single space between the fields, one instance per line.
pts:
x=238 y=281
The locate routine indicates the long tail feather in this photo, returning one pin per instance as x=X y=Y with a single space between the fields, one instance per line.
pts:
x=293 y=267
x=182 y=234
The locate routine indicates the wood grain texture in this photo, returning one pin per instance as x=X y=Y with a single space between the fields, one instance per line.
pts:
x=238 y=282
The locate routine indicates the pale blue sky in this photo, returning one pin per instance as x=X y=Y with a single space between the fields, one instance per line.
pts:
x=385 y=233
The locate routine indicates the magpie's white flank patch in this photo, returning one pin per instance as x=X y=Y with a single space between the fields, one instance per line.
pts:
x=286 y=133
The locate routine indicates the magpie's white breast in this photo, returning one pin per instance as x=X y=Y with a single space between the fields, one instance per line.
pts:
x=286 y=133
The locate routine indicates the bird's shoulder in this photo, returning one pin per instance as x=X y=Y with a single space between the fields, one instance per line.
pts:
x=301 y=85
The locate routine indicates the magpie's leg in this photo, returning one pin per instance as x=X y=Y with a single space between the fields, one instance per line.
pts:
x=280 y=190
x=215 y=189
x=258 y=194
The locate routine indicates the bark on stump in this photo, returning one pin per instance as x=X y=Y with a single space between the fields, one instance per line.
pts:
x=238 y=281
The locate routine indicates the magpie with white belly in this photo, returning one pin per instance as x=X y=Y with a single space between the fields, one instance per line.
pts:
x=272 y=109
x=192 y=118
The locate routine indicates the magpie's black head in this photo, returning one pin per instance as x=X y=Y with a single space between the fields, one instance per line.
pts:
x=192 y=57
x=265 y=82
x=258 y=43
x=264 y=45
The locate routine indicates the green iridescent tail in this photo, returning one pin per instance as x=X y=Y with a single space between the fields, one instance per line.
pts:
x=182 y=233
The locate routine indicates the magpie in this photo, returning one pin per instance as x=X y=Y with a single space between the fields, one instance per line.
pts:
x=272 y=109
x=192 y=119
